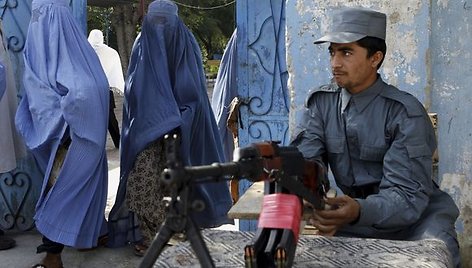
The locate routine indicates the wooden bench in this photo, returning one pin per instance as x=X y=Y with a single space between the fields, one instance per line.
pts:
x=249 y=205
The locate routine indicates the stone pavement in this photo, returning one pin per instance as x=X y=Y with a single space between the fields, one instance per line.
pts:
x=24 y=254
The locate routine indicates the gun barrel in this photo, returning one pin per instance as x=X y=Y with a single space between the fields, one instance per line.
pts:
x=215 y=170
x=251 y=170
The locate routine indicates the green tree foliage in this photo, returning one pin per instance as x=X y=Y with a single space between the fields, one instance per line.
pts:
x=99 y=18
x=211 y=21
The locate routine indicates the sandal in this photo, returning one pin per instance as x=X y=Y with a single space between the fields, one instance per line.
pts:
x=140 y=249
x=39 y=265
x=50 y=260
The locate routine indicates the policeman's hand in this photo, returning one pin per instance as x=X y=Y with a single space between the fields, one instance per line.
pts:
x=344 y=211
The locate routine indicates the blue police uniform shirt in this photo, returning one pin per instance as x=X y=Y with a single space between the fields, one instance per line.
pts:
x=381 y=137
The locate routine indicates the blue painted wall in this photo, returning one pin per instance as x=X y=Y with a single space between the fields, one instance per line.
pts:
x=407 y=52
x=451 y=69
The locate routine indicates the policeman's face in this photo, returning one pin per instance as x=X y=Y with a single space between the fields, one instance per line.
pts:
x=351 y=67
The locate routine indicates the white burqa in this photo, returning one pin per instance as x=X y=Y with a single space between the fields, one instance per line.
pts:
x=11 y=144
x=110 y=60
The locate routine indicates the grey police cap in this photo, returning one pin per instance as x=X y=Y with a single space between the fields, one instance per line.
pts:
x=353 y=24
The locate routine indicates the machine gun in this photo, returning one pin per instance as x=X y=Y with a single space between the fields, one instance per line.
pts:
x=289 y=179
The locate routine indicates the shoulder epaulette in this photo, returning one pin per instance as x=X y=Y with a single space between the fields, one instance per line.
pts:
x=411 y=103
x=333 y=88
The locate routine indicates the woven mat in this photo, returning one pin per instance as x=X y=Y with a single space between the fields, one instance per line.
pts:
x=227 y=247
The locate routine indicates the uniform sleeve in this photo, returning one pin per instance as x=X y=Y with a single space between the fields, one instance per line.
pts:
x=309 y=135
x=406 y=184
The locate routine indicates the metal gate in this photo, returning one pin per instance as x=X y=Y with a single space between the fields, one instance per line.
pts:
x=262 y=76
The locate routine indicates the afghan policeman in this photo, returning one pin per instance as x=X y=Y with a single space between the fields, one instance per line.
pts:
x=378 y=141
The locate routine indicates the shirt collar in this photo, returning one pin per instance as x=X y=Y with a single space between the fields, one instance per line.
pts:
x=345 y=98
x=363 y=98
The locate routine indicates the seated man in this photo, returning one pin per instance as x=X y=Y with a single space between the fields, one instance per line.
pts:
x=378 y=142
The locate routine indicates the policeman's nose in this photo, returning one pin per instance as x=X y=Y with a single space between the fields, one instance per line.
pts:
x=335 y=62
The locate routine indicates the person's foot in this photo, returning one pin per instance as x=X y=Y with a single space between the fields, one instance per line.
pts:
x=6 y=242
x=140 y=249
x=50 y=261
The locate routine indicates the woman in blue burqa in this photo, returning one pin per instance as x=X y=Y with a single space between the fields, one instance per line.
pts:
x=63 y=117
x=224 y=91
x=165 y=91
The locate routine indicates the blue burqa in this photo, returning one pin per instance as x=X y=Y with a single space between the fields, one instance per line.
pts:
x=166 y=90
x=3 y=80
x=65 y=95
x=223 y=93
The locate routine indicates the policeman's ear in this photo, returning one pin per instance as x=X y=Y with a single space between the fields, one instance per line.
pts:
x=377 y=59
